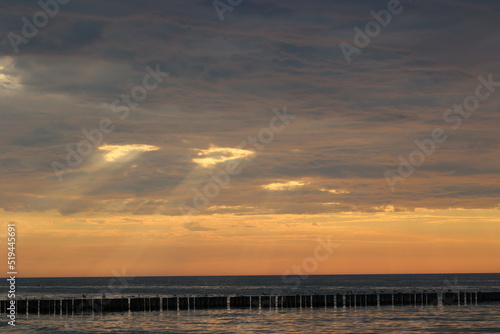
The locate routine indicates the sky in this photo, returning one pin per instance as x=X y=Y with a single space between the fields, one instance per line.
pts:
x=167 y=138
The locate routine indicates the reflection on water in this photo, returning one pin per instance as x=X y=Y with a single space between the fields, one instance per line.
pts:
x=449 y=319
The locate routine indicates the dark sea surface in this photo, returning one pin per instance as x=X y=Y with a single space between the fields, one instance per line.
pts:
x=484 y=318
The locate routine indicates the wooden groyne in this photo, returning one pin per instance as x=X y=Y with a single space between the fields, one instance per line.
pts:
x=139 y=304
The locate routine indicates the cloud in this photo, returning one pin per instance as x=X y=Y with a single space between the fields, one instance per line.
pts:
x=215 y=155
x=280 y=186
x=193 y=226
x=353 y=120
x=335 y=191
x=118 y=152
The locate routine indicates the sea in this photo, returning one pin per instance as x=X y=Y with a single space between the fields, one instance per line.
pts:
x=482 y=318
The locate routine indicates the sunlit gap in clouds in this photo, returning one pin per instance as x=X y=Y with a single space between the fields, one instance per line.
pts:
x=7 y=80
x=125 y=152
x=335 y=191
x=290 y=185
x=215 y=155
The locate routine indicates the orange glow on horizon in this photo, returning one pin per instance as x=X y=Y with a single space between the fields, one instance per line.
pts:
x=51 y=245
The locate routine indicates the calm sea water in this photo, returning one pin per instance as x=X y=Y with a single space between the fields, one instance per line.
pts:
x=435 y=319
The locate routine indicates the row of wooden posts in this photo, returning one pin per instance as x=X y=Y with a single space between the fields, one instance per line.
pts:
x=101 y=305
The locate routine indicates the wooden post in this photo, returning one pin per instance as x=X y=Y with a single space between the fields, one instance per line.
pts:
x=406 y=299
x=450 y=298
x=87 y=305
x=432 y=298
x=200 y=303
x=245 y=301
x=306 y=301
x=97 y=306
x=57 y=306
x=360 y=300
x=398 y=299
x=169 y=304
x=330 y=300
x=33 y=306
x=265 y=301
x=419 y=300
x=349 y=300
x=340 y=300
x=183 y=303
x=154 y=304
x=254 y=301
x=115 y=305
x=234 y=302
x=273 y=302
x=218 y=302
x=137 y=304
x=371 y=299
x=77 y=306
x=288 y=301
x=240 y=301
x=67 y=306
x=21 y=306
x=318 y=301
x=461 y=298
x=45 y=306
x=385 y=299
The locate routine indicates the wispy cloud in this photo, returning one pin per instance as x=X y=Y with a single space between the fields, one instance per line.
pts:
x=215 y=155
x=118 y=152
x=335 y=191
x=280 y=186
x=193 y=226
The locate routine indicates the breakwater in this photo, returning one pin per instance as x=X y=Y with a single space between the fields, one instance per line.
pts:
x=144 y=304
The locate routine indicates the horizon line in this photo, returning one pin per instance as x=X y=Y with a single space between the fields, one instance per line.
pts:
x=258 y=275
